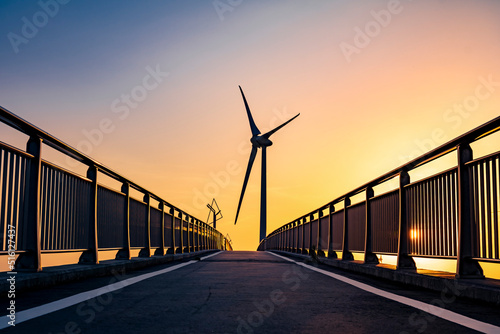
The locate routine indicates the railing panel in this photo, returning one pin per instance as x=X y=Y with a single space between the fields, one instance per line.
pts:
x=13 y=167
x=196 y=236
x=168 y=230
x=485 y=176
x=323 y=238
x=203 y=234
x=110 y=218
x=191 y=235
x=300 y=230
x=286 y=238
x=385 y=222
x=432 y=215
x=337 y=229
x=138 y=222
x=155 y=227
x=307 y=233
x=64 y=210
x=177 y=232
x=314 y=231
x=356 y=218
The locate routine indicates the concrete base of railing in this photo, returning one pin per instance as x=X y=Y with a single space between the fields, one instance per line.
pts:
x=51 y=276
x=485 y=290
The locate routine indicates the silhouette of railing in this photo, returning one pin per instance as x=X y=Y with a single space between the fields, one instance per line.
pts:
x=50 y=209
x=450 y=215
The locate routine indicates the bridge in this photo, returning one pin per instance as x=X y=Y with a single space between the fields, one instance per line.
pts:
x=170 y=272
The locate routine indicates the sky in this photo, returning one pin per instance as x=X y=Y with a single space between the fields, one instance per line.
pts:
x=150 y=89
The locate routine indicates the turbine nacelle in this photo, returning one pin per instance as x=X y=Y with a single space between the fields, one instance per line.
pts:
x=260 y=141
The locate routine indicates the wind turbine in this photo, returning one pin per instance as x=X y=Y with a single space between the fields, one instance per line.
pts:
x=258 y=141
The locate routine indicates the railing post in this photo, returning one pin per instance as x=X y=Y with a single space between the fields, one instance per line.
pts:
x=187 y=248
x=346 y=254
x=467 y=267
x=278 y=240
x=214 y=241
x=296 y=225
x=369 y=256
x=275 y=241
x=188 y=241
x=311 y=246
x=283 y=238
x=331 y=253
x=319 y=244
x=209 y=245
x=404 y=261
x=171 y=250
x=288 y=237
x=197 y=235
x=214 y=237
x=304 y=250
x=191 y=235
x=210 y=237
x=161 y=250
x=202 y=236
x=296 y=236
x=205 y=244
x=207 y=236
x=32 y=259
x=91 y=255
x=124 y=253
x=193 y=241
x=146 y=251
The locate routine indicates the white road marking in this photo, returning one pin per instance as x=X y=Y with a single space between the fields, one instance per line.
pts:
x=432 y=309
x=81 y=297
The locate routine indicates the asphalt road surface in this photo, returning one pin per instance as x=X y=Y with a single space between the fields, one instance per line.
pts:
x=245 y=292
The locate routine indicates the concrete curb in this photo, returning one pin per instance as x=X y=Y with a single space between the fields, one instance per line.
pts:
x=68 y=273
x=484 y=290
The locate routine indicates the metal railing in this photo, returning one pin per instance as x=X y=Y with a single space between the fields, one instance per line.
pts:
x=451 y=215
x=52 y=209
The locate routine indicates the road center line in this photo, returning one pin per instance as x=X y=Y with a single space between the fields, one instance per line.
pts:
x=434 y=310
x=81 y=297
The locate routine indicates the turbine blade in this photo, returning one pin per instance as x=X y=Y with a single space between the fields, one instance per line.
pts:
x=253 y=127
x=247 y=175
x=268 y=134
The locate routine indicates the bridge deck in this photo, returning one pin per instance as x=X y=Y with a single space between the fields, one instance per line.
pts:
x=242 y=292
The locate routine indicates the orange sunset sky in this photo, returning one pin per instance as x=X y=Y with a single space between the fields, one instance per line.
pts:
x=150 y=89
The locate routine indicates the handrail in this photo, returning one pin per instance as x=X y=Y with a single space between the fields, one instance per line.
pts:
x=26 y=127
x=481 y=131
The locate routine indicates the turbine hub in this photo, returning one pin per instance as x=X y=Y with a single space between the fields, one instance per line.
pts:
x=260 y=141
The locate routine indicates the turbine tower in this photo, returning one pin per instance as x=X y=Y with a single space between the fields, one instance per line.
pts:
x=258 y=141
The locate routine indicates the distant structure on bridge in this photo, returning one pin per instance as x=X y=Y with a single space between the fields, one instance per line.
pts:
x=48 y=209
x=215 y=212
